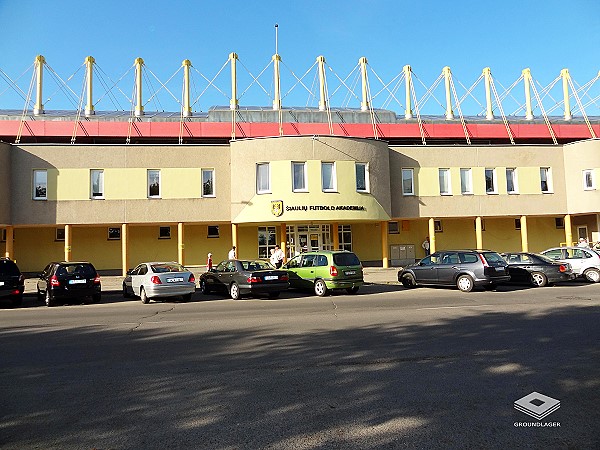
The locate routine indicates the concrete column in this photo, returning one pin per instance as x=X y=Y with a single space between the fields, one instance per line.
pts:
x=524 y=239
x=565 y=79
x=385 y=251
x=234 y=238
x=283 y=245
x=478 y=233
x=68 y=242
x=322 y=91
x=487 y=73
x=408 y=114
x=187 y=108
x=180 y=244
x=277 y=86
x=336 y=236
x=10 y=236
x=233 y=103
x=431 y=235
x=364 y=105
x=39 y=69
x=447 y=76
x=568 y=230
x=124 y=248
x=89 y=72
x=139 y=106
x=527 y=83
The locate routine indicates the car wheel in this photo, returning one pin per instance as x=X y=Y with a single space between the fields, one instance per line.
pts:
x=465 y=283
x=49 y=299
x=187 y=297
x=234 y=291
x=204 y=287
x=125 y=292
x=352 y=290
x=96 y=298
x=538 y=279
x=17 y=300
x=320 y=288
x=144 y=297
x=408 y=281
x=274 y=294
x=592 y=275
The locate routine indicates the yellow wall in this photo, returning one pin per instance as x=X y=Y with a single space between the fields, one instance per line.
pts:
x=35 y=247
x=92 y=244
x=144 y=245
x=198 y=245
x=366 y=241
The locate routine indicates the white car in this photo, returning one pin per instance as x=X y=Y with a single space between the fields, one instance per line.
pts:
x=151 y=280
x=584 y=262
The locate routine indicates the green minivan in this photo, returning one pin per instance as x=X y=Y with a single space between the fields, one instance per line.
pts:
x=325 y=270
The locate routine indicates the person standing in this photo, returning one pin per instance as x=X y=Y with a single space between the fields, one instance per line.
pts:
x=426 y=245
x=209 y=264
x=583 y=242
x=273 y=258
x=278 y=256
x=232 y=253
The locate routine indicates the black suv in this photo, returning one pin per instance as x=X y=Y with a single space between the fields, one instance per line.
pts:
x=68 y=280
x=12 y=281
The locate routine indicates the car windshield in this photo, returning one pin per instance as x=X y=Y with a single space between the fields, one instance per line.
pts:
x=545 y=258
x=8 y=268
x=256 y=265
x=346 y=259
x=493 y=257
x=85 y=270
x=167 y=267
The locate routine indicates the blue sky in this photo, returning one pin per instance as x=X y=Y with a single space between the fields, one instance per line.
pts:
x=506 y=35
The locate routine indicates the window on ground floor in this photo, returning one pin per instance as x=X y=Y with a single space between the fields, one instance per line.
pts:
x=114 y=233
x=267 y=240
x=345 y=237
x=164 y=233
x=213 y=231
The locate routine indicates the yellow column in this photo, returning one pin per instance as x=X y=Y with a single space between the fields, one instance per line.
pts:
x=447 y=77
x=478 y=233
x=187 y=108
x=527 y=83
x=68 y=242
x=336 y=236
x=10 y=235
x=283 y=241
x=408 y=114
x=180 y=244
x=89 y=66
x=568 y=230
x=124 y=248
x=39 y=68
x=431 y=235
x=384 y=245
x=234 y=238
x=489 y=115
x=139 y=107
x=364 y=105
x=524 y=239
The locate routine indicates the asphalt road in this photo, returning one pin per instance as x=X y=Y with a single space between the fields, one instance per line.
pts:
x=387 y=368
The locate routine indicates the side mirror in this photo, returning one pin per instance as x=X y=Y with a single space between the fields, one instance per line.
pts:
x=213 y=270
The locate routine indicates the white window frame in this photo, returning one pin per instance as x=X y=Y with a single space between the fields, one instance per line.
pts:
x=345 y=231
x=34 y=191
x=258 y=179
x=213 y=182
x=494 y=181
x=367 y=183
x=468 y=189
x=304 y=177
x=515 y=181
x=149 y=184
x=548 y=172
x=412 y=181
x=588 y=174
x=333 y=176
x=445 y=188
x=100 y=195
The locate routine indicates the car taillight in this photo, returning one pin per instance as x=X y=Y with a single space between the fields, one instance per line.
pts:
x=253 y=280
x=192 y=279
x=485 y=263
x=97 y=279
x=155 y=280
x=333 y=271
x=562 y=268
x=284 y=278
x=16 y=292
x=54 y=281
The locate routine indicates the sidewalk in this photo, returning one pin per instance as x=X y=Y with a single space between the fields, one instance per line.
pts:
x=372 y=275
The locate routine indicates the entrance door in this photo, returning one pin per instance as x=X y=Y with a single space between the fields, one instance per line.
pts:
x=582 y=232
x=302 y=242
x=315 y=242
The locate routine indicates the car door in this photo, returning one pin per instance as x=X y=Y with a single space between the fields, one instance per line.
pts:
x=292 y=267
x=42 y=283
x=426 y=270
x=577 y=258
x=448 y=268
x=517 y=268
x=226 y=275
x=306 y=271
x=137 y=278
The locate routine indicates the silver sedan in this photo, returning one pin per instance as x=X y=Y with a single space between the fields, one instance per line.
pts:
x=152 y=280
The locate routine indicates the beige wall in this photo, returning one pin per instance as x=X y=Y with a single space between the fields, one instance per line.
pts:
x=578 y=157
x=5 y=183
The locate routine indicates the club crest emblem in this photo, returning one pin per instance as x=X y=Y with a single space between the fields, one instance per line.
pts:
x=277 y=208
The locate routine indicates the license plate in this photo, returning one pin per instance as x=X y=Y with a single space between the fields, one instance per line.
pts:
x=499 y=269
x=77 y=281
x=175 y=280
x=271 y=277
x=1 y=283
x=350 y=272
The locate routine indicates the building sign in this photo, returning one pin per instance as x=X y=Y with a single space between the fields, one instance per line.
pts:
x=325 y=208
x=277 y=208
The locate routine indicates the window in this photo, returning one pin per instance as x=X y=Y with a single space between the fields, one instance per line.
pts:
x=545 y=179
x=60 y=234
x=3 y=237
x=517 y=224
x=511 y=180
x=263 y=178
x=362 y=177
x=153 y=183
x=345 y=237
x=589 y=182
x=40 y=185
x=490 y=181
x=408 y=182
x=164 y=233
x=299 y=177
x=466 y=181
x=437 y=226
x=559 y=222
x=96 y=183
x=208 y=182
x=445 y=184
x=393 y=228
x=328 y=177
x=213 y=231
x=114 y=233
x=267 y=239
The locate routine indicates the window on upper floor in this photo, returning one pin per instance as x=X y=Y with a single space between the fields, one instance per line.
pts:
x=97 y=183
x=40 y=185
x=466 y=181
x=491 y=185
x=263 y=178
x=328 y=179
x=153 y=183
x=208 y=183
x=511 y=180
x=408 y=182
x=546 y=179
x=299 y=177
x=445 y=183
x=589 y=181
x=362 y=177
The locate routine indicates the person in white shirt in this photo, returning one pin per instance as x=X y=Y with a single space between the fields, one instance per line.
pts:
x=232 y=253
x=278 y=256
x=425 y=245
x=583 y=243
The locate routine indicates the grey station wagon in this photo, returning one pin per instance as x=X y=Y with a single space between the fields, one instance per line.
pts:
x=464 y=269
